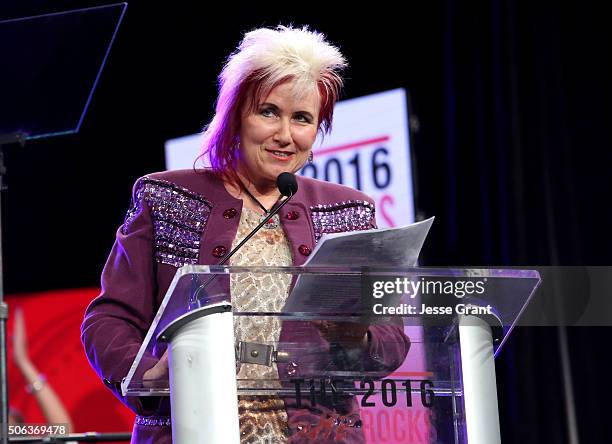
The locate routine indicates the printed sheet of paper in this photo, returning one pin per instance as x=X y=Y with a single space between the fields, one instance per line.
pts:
x=387 y=247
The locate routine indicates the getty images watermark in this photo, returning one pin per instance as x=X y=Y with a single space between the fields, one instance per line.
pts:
x=429 y=290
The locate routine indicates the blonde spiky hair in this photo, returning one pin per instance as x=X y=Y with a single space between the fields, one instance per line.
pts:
x=264 y=59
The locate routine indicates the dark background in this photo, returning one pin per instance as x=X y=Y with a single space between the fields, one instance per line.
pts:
x=512 y=154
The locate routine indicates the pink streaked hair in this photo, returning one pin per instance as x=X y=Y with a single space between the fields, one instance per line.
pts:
x=264 y=59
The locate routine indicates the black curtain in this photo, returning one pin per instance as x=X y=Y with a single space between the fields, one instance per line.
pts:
x=523 y=180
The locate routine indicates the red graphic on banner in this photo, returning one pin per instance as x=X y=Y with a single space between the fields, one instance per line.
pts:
x=53 y=321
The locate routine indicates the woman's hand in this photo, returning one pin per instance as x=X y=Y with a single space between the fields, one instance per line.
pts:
x=158 y=372
x=348 y=334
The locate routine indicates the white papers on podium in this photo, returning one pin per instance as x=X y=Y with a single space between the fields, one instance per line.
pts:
x=386 y=247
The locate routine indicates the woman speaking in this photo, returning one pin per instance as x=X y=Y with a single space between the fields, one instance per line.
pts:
x=276 y=91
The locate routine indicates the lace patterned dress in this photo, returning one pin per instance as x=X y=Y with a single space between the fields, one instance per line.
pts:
x=263 y=419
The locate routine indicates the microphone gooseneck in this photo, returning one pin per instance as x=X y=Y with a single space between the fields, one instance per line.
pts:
x=287 y=185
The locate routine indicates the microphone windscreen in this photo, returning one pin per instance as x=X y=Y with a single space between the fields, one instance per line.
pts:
x=287 y=184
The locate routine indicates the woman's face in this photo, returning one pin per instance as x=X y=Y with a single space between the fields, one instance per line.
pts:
x=277 y=135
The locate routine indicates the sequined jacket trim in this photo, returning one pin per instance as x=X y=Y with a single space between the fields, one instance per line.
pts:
x=179 y=217
x=351 y=215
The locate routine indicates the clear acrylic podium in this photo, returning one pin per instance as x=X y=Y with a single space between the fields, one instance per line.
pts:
x=354 y=354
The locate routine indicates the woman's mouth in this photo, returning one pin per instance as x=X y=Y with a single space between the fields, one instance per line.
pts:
x=280 y=155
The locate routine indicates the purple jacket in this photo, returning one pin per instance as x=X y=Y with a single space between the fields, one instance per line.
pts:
x=187 y=217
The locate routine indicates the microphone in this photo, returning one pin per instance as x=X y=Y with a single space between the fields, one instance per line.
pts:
x=287 y=185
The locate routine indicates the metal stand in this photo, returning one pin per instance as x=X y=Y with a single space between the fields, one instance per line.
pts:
x=56 y=101
x=4 y=405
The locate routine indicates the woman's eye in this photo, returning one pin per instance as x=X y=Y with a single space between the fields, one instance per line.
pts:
x=302 y=118
x=267 y=112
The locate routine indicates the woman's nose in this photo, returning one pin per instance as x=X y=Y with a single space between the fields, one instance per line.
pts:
x=283 y=133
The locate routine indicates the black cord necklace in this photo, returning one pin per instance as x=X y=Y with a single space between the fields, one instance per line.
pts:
x=272 y=223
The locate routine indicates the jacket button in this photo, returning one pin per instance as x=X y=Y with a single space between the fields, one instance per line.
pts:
x=293 y=215
x=230 y=213
x=304 y=249
x=219 y=251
